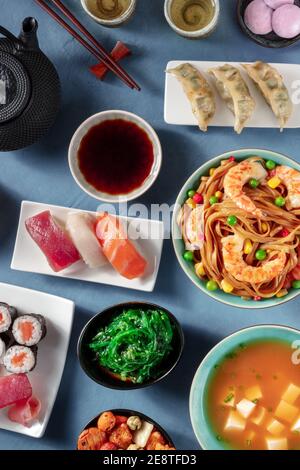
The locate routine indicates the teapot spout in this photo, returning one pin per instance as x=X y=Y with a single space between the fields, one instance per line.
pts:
x=28 y=34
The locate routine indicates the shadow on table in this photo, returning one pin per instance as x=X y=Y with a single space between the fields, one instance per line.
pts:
x=9 y=213
x=197 y=344
x=58 y=429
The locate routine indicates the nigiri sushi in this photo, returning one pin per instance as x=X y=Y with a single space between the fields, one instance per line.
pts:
x=13 y=389
x=81 y=228
x=54 y=242
x=118 y=249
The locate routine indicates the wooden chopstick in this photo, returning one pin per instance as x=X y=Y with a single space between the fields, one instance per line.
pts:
x=100 y=53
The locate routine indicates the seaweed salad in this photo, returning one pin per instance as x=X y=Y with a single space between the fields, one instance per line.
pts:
x=134 y=344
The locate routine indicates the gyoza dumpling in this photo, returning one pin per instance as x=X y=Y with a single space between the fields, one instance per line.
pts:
x=271 y=85
x=235 y=92
x=199 y=93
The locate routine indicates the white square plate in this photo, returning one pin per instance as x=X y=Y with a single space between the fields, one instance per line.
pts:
x=52 y=351
x=28 y=257
x=178 y=109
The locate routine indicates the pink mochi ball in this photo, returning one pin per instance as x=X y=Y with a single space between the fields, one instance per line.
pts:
x=286 y=21
x=258 y=17
x=277 y=3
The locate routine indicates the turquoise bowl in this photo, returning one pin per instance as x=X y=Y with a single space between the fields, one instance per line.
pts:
x=193 y=182
x=201 y=423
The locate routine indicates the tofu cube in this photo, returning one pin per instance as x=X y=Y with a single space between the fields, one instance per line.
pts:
x=253 y=393
x=235 y=422
x=296 y=426
x=275 y=427
x=259 y=416
x=291 y=394
x=245 y=408
x=286 y=412
x=280 y=443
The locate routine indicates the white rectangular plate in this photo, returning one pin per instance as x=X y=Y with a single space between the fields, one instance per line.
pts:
x=52 y=351
x=178 y=109
x=28 y=257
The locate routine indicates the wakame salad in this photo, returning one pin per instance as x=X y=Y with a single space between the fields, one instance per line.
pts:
x=134 y=345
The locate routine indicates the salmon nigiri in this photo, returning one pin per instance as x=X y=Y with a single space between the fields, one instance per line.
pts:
x=118 y=249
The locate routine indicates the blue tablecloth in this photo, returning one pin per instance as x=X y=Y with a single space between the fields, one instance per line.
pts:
x=41 y=173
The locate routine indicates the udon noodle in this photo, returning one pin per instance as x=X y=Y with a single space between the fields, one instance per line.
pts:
x=276 y=232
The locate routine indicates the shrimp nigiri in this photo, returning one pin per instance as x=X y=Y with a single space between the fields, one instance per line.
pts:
x=118 y=249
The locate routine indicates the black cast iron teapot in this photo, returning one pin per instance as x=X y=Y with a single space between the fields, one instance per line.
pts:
x=29 y=89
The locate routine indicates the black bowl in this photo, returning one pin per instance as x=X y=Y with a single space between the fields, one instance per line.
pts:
x=270 y=40
x=87 y=357
x=125 y=412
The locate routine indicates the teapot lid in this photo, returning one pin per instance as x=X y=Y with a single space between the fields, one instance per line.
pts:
x=15 y=87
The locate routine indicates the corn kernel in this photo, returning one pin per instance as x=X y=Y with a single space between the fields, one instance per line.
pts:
x=200 y=271
x=248 y=247
x=274 y=182
x=282 y=293
x=191 y=203
x=264 y=227
x=212 y=171
x=227 y=287
x=219 y=195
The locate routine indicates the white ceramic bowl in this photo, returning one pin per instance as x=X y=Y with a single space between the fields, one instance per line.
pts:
x=90 y=5
x=82 y=131
x=199 y=34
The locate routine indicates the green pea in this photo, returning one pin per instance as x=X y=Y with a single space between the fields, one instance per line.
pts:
x=213 y=200
x=253 y=183
x=212 y=286
x=232 y=220
x=191 y=193
x=280 y=201
x=188 y=256
x=296 y=284
x=261 y=255
x=270 y=165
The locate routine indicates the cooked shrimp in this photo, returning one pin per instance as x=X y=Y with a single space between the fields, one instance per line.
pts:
x=291 y=179
x=194 y=229
x=232 y=251
x=235 y=180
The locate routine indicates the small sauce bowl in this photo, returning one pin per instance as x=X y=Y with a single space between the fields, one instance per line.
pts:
x=90 y=8
x=198 y=34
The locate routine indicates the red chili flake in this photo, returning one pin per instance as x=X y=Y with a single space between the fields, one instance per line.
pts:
x=119 y=52
x=272 y=173
x=257 y=298
x=284 y=233
x=231 y=159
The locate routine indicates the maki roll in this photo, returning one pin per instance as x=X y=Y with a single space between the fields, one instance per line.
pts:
x=7 y=315
x=6 y=340
x=29 y=330
x=20 y=359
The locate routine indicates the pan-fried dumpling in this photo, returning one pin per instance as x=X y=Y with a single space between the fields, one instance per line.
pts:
x=199 y=93
x=235 y=92
x=270 y=83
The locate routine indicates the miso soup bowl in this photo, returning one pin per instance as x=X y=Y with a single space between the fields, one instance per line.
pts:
x=188 y=268
x=201 y=422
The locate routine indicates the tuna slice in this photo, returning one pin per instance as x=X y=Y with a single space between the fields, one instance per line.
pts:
x=118 y=249
x=25 y=412
x=13 y=389
x=53 y=241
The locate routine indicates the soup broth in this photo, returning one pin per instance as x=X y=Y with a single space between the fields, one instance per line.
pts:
x=253 y=398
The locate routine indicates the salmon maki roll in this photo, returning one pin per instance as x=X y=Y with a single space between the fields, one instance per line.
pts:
x=119 y=250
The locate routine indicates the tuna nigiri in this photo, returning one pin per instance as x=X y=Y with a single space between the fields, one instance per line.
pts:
x=118 y=249
x=53 y=241
x=13 y=389
x=81 y=228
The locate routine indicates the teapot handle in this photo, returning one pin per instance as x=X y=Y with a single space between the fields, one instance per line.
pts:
x=10 y=36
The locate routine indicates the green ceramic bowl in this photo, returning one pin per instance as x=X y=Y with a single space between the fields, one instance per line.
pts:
x=193 y=182
x=202 y=425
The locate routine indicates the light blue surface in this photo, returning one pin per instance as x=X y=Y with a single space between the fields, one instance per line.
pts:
x=41 y=174
x=199 y=397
